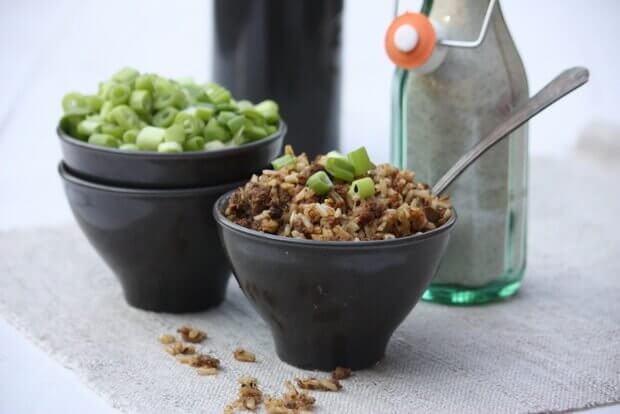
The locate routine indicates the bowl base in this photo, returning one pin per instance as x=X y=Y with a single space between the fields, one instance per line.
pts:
x=175 y=303
x=325 y=354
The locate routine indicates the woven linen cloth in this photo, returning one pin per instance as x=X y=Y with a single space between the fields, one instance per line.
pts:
x=554 y=347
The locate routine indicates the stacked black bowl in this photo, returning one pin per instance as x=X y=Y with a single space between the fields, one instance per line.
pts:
x=149 y=215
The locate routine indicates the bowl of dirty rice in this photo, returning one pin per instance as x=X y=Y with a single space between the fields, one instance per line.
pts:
x=333 y=253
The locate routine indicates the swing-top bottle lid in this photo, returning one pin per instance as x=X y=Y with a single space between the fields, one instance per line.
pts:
x=410 y=40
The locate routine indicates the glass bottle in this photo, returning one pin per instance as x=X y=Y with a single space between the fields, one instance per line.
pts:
x=289 y=51
x=442 y=110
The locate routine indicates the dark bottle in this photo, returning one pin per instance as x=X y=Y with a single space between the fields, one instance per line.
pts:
x=289 y=51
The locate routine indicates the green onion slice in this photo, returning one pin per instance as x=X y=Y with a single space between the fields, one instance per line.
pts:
x=320 y=183
x=360 y=160
x=283 y=161
x=340 y=168
x=362 y=188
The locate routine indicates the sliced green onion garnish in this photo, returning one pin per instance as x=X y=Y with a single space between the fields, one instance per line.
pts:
x=340 y=168
x=191 y=124
x=144 y=82
x=236 y=123
x=112 y=129
x=170 y=146
x=362 y=188
x=149 y=138
x=104 y=140
x=141 y=101
x=283 y=161
x=320 y=183
x=196 y=143
x=129 y=147
x=75 y=103
x=335 y=154
x=214 y=145
x=93 y=102
x=175 y=133
x=88 y=127
x=118 y=93
x=225 y=116
x=269 y=110
x=69 y=124
x=125 y=117
x=129 y=136
x=360 y=160
x=216 y=132
x=254 y=132
x=165 y=117
x=126 y=75
x=203 y=112
x=217 y=94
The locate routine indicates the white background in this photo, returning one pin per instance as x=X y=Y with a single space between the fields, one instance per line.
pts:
x=50 y=47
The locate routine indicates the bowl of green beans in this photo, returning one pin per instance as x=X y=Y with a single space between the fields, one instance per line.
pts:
x=147 y=131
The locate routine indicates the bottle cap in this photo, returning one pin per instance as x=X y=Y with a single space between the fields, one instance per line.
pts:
x=410 y=40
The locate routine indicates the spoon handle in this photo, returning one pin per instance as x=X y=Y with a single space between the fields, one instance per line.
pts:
x=562 y=85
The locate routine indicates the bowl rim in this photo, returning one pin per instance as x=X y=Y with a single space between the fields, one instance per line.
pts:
x=223 y=221
x=280 y=133
x=69 y=177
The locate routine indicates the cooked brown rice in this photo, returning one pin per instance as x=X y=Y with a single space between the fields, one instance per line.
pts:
x=278 y=202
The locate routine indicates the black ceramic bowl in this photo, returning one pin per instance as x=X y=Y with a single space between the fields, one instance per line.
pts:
x=331 y=303
x=161 y=244
x=141 y=169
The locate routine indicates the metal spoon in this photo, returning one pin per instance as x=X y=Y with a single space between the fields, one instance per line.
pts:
x=562 y=85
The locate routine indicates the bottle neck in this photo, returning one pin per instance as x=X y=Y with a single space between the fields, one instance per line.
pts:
x=461 y=19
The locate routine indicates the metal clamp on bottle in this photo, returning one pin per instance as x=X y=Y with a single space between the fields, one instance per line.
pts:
x=413 y=41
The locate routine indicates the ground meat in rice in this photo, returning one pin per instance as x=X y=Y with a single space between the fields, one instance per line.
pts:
x=278 y=202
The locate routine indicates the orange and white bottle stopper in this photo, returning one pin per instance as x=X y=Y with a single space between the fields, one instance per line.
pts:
x=411 y=41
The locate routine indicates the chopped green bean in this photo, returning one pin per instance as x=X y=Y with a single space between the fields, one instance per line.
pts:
x=149 y=138
x=340 y=168
x=129 y=136
x=227 y=106
x=362 y=188
x=360 y=160
x=320 y=183
x=170 y=147
x=214 y=145
x=129 y=147
x=104 y=140
x=165 y=117
x=175 y=133
x=196 y=143
x=283 y=161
